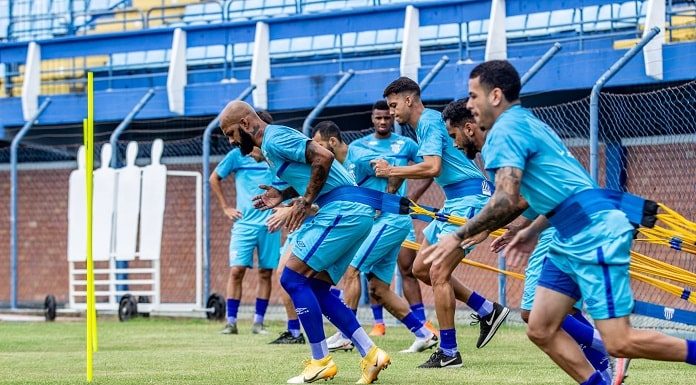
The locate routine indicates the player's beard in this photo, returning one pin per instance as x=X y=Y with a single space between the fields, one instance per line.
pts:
x=470 y=150
x=246 y=145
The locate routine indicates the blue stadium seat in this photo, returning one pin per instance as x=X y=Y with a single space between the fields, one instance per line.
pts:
x=253 y=8
x=537 y=24
x=607 y=13
x=324 y=42
x=587 y=18
x=279 y=46
x=561 y=20
x=136 y=58
x=301 y=44
x=195 y=54
x=202 y=13
x=365 y=40
x=243 y=50
x=428 y=34
x=514 y=26
x=387 y=38
x=215 y=53
x=118 y=59
x=448 y=34
x=477 y=30
x=156 y=57
x=628 y=14
x=348 y=39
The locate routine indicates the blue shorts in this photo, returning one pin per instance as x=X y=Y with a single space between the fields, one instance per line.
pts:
x=465 y=207
x=290 y=239
x=598 y=274
x=329 y=242
x=378 y=253
x=411 y=234
x=533 y=270
x=246 y=238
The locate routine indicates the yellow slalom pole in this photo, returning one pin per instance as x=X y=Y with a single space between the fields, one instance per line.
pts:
x=89 y=151
x=90 y=122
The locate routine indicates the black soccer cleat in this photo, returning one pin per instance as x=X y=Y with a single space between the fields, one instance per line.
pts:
x=490 y=323
x=286 y=338
x=440 y=360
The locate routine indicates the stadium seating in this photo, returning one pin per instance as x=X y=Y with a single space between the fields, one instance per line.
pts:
x=586 y=21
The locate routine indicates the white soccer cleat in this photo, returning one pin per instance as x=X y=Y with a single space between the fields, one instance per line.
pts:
x=337 y=342
x=421 y=345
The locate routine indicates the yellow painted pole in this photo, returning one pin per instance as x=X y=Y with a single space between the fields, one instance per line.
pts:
x=90 y=122
x=89 y=151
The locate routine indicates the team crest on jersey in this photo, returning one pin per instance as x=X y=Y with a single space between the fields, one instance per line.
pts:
x=397 y=145
x=486 y=188
x=351 y=170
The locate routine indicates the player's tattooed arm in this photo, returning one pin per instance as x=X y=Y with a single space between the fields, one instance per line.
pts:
x=505 y=205
x=320 y=160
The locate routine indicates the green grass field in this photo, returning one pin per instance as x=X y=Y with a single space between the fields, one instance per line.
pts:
x=162 y=351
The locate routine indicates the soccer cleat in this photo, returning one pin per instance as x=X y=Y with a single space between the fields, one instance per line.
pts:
x=230 y=329
x=286 y=338
x=258 y=328
x=336 y=342
x=429 y=325
x=440 y=360
x=490 y=323
x=315 y=370
x=421 y=344
x=620 y=371
x=374 y=362
x=378 y=330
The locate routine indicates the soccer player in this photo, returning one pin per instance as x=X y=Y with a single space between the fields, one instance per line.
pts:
x=466 y=192
x=382 y=140
x=589 y=254
x=249 y=233
x=378 y=253
x=462 y=128
x=324 y=247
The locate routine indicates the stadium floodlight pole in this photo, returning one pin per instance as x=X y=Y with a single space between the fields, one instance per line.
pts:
x=113 y=139
x=540 y=63
x=14 y=185
x=206 y=191
x=594 y=98
x=307 y=125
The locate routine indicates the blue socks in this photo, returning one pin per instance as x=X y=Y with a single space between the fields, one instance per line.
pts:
x=378 y=314
x=595 y=379
x=480 y=305
x=261 y=306
x=691 y=352
x=294 y=327
x=232 y=308
x=419 y=311
x=584 y=334
x=308 y=310
x=340 y=315
x=415 y=326
x=448 y=342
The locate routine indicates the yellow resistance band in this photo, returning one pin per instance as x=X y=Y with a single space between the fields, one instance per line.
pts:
x=639 y=266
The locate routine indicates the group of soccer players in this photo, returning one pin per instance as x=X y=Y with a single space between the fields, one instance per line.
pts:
x=332 y=197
